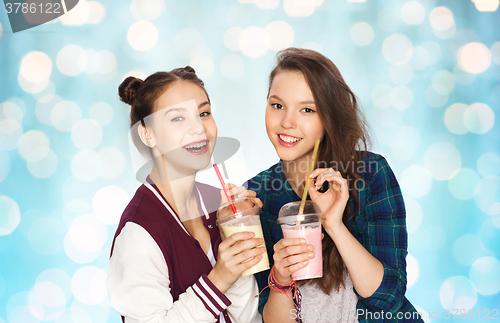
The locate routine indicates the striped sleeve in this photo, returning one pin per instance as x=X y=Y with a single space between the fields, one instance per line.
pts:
x=138 y=285
x=215 y=302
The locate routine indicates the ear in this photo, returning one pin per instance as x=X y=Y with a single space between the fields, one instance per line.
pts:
x=145 y=136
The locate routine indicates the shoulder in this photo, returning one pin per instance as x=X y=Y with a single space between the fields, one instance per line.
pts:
x=373 y=167
x=144 y=209
x=262 y=180
x=144 y=202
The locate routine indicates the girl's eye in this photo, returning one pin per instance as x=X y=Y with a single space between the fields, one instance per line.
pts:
x=277 y=106
x=204 y=114
x=308 y=110
x=177 y=119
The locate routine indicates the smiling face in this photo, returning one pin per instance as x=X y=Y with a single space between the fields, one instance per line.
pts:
x=182 y=128
x=292 y=120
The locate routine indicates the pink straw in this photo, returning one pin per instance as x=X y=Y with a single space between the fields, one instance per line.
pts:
x=235 y=211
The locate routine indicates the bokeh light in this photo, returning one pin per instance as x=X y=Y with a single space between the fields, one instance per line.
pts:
x=147 y=9
x=416 y=181
x=142 y=35
x=488 y=164
x=86 y=165
x=11 y=215
x=10 y=134
x=254 y=41
x=86 y=134
x=468 y=248
x=458 y=292
x=85 y=238
x=65 y=115
x=479 y=118
x=203 y=65
x=71 y=60
x=34 y=145
x=362 y=34
x=89 y=285
x=108 y=204
x=231 y=38
x=442 y=22
x=462 y=186
x=484 y=274
x=4 y=165
x=412 y=269
x=443 y=160
x=412 y=13
x=281 y=35
x=397 y=49
x=101 y=112
x=44 y=167
x=474 y=58
x=487 y=194
x=113 y=162
x=413 y=214
x=454 y=118
x=486 y=5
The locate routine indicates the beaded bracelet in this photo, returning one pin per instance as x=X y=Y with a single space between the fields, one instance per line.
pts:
x=284 y=289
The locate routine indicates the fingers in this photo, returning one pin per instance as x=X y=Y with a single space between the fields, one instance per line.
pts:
x=247 y=193
x=318 y=171
x=286 y=242
x=234 y=190
x=234 y=238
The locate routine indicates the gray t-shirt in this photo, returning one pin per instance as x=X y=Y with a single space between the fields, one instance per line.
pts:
x=318 y=307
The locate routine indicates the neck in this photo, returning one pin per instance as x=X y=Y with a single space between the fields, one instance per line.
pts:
x=296 y=171
x=178 y=191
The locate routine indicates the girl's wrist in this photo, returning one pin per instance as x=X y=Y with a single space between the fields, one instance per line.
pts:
x=334 y=230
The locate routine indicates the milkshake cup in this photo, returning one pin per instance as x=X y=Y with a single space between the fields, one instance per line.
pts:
x=246 y=219
x=307 y=226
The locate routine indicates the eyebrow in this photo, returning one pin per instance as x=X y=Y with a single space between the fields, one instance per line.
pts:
x=184 y=109
x=302 y=102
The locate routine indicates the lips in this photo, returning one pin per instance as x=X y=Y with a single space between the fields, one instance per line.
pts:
x=197 y=148
x=287 y=140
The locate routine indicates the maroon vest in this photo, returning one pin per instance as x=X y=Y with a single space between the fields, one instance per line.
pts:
x=185 y=258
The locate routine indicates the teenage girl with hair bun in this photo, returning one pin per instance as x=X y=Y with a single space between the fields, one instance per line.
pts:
x=364 y=246
x=167 y=262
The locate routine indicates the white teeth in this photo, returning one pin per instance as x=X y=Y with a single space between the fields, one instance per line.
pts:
x=198 y=145
x=289 y=139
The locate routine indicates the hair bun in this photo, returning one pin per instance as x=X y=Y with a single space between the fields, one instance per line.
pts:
x=128 y=88
x=189 y=69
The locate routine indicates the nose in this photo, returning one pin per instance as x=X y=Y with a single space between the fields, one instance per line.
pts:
x=288 y=121
x=196 y=126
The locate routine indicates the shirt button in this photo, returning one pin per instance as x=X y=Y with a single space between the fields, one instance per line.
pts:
x=210 y=226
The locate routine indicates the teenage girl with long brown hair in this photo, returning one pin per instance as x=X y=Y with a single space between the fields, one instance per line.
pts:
x=363 y=212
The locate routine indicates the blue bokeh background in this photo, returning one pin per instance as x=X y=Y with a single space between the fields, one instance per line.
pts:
x=426 y=72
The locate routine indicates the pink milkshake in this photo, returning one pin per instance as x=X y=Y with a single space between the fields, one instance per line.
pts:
x=308 y=227
x=312 y=234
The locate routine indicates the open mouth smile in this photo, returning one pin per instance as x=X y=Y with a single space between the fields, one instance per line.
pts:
x=288 y=141
x=197 y=148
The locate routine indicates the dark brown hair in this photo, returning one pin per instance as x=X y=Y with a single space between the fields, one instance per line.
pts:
x=345 y=139
x=141 y=95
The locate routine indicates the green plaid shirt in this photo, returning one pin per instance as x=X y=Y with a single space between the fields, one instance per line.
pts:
x=379 y=224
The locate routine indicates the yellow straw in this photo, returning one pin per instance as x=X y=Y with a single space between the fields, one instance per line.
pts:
x=306 y=188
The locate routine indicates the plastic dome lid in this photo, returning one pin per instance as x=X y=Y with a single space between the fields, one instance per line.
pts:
x=289 y=213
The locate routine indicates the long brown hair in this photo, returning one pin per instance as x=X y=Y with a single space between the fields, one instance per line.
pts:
x=141 y=95
x=346 y=137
